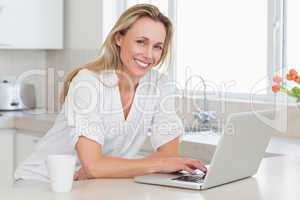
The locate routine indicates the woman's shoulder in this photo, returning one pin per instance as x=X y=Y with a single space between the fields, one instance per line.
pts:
x=85 y=74
x=101 y=78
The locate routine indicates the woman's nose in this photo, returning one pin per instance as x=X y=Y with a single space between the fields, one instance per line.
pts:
x=148 y=53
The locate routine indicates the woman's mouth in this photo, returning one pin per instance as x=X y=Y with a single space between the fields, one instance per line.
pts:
x=141 y=63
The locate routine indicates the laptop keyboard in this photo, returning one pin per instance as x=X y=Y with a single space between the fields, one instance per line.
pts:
x=190 y=178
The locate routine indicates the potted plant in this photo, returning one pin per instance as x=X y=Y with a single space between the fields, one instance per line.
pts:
x=281 y=86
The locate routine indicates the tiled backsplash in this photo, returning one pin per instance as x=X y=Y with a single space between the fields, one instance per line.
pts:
x=60 y=63
x=17 y=63
x=42 y=69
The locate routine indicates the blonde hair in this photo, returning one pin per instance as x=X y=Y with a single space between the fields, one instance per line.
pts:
x=110 y=56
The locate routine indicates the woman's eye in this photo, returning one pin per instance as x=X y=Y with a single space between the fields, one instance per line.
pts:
x=158 y=47
x=140 y=41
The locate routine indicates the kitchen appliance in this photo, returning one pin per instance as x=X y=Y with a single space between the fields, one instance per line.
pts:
x=16 y=96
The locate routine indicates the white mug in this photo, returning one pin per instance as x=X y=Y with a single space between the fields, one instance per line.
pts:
x=61 y=170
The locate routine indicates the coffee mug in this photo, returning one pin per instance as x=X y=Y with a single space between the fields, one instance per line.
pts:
x=61 y=170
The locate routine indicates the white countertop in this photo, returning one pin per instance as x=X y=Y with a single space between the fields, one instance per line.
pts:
x=39 y=121
x=277 y=179
x=34 y=120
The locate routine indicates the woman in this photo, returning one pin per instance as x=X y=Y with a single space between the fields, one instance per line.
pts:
x=110 y=105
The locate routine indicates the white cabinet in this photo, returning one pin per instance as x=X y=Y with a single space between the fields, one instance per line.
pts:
x=25 y=142
x=16 y=145
x=6 y=157
x=31 y=24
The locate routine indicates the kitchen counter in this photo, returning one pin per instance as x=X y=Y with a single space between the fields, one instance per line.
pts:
x=38 y=122
x=30 y=120
x=277 y=179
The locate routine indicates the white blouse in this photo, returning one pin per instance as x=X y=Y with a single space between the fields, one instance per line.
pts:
x=93 y=109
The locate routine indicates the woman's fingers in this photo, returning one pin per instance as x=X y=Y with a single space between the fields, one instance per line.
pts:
x=80 y=175
x=176 y=164
x=188 y=169
x=75 y=177
x=196 y=164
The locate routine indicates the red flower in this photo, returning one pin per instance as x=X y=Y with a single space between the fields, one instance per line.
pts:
x=297 y=80
x=277 y=79
x=289 y=77
x=275 y=88
x=292 y=75
x=293 y=72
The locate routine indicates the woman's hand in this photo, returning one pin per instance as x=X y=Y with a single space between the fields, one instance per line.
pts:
x=80 y=175
x=169 y=165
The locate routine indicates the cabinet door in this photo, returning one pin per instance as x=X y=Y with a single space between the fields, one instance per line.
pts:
x=7 y=21
x=31 y=24
x=6 y=157
x=24 y=146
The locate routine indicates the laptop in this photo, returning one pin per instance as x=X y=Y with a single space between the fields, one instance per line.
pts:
x=239 y=152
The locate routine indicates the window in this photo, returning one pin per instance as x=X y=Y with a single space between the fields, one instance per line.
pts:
x=293 y=34
x=235 y=45
x=225 y=42
x=110 y=15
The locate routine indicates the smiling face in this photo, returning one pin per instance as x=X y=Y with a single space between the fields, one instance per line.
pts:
x=141 y=47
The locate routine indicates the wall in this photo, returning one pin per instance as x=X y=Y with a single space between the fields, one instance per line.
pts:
x=14 y=63
x=82 y=37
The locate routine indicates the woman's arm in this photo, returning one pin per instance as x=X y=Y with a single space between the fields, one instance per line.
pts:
x=96 y=165
x=170 y=149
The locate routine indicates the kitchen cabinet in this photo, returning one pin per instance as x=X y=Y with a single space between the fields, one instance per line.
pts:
x=31 y=24
x=16 y=146
x=6 y=156
x=25 y=142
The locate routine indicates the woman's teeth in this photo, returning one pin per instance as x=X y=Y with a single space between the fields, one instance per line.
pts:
x=141 y=64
